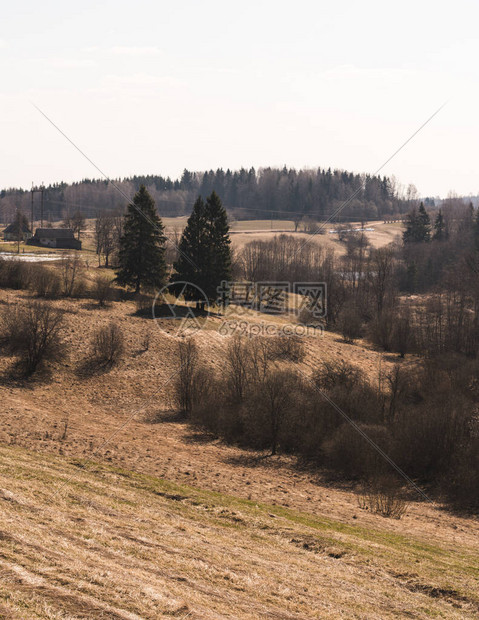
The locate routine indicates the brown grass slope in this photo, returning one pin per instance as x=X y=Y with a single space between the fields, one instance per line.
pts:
x=86 y=540
x=70 y=555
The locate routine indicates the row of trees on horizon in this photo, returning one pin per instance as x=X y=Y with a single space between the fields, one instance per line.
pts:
x=276 y=193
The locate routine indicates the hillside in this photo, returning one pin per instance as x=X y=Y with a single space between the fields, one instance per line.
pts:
x=139 y=516
x=82 y=540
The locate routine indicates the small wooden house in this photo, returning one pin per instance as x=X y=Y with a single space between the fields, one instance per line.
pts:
x=11 y=232
x=55 y=238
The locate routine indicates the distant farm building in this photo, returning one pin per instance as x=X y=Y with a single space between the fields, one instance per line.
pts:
x=11 y=232
x=55 y=238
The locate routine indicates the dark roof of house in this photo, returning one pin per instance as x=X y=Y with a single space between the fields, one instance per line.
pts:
x=54 y=233
x=12 y=228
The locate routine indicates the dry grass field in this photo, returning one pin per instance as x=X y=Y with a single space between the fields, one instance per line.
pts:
x=111 y=507
x=88 y=540
x=242 y=232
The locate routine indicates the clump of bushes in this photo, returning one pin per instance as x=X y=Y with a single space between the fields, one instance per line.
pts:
x=14 y=273
x=287 y=347
x=260 y=401
x=102 y=290
x=32 y=332
x=190 y=384
x=72 y=276
x=45 y=282
x=385 y=496
x=107 y=345
x=350 y=324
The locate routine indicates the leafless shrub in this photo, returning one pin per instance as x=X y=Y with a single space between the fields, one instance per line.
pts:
x=402 y=333
x=71 y=270
x=238 y=367
x=32 y=332
x=350 y=323
x=45 y=282
x=15 y=274
x=461 y=483
x=187 y=384
x=383 y=496
x=381 y=330
x=429 y=432
x=108 y=345
x=260 y=353
x=288 y=347
x=311 y=226
x=349 y=454
x=269 y=403
x=102 y=290
x=332 y=374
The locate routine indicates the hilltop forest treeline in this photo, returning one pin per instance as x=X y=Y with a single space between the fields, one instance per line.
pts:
x=247 y=194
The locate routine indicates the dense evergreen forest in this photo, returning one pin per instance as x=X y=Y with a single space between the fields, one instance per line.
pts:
x=247 y=194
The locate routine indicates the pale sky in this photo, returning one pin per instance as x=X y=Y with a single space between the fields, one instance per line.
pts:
x=154 y=87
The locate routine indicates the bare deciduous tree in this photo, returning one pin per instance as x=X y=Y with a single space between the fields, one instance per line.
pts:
x=184 y=384
x=105 y=237
x=32 y=332
x=102 y=289
x=108 y=344
x=238 y=367
x=71 y=271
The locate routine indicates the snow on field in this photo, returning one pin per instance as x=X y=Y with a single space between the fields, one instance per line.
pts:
x=333 y=232
x=31 y=258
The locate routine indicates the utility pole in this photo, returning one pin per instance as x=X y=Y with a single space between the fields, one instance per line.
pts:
x=32 y=209
x=34 y=191
x=42 y=188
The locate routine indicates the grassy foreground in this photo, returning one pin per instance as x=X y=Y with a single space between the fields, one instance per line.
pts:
x=84 y=540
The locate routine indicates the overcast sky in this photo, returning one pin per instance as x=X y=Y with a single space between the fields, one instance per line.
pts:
x=154 y=87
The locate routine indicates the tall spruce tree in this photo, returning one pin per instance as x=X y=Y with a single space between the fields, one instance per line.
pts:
x=408 y=234
x=205 y=253
x=423 y=224
x=190 y=266
x=439 y=227
x=142 y=245
x=418 y=226
x=219 y=245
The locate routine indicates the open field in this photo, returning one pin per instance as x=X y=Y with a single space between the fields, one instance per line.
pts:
x=87 y=540
x=242 y=232
x=157 y=520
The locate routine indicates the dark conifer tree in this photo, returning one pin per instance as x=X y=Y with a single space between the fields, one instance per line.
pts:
x=439 y=227
x=190 y=266
x=219 y=245
x=408 y=234
x=423 y=224
x=205 y=253
x=142 y=245
x=418 y=226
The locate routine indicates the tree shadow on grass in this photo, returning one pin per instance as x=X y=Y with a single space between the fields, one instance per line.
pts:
x=90 y=367
x=199 y=437
x=253 y=460
x=16 y=375
x=162 y=416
